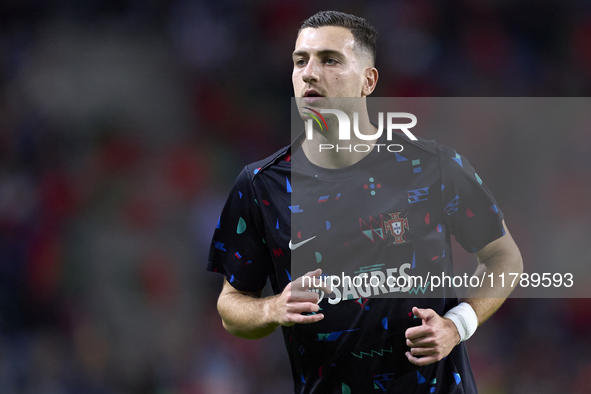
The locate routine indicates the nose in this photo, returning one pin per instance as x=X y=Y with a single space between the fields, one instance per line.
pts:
x=310 y=72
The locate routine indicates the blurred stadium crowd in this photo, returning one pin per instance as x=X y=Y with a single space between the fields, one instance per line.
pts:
x=124 y=123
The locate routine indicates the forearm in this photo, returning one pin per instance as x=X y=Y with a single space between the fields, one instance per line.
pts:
x=487 y=299
x=247 y=316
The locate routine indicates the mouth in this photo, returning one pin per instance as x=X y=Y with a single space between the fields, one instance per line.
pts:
x=312 y=93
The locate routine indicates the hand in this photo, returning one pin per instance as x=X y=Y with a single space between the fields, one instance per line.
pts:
x=286 y=309
x=431 y=341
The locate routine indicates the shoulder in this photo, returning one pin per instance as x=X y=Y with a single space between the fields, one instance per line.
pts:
x=279 y=160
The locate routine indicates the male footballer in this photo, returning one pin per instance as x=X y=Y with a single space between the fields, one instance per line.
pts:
x=374 y=213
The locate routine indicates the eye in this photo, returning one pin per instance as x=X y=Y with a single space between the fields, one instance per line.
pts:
x=300 y=62
x=331 y=61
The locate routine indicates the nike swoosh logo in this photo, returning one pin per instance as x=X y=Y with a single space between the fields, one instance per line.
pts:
x=293 y=246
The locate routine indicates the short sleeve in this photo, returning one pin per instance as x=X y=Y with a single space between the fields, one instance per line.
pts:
x=469 y=208
x=238 y=248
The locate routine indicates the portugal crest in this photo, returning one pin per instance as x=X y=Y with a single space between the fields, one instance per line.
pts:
x=397 y=225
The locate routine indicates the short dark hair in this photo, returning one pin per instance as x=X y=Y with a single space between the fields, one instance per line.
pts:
x=365 y=35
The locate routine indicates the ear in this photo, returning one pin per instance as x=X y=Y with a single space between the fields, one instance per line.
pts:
x=370 y=81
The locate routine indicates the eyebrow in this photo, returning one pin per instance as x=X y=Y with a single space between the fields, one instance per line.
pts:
x=323 y=52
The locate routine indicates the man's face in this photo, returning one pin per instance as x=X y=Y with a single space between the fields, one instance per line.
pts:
x=327 y=63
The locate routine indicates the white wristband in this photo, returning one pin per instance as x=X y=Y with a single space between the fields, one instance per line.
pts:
x=465 y=320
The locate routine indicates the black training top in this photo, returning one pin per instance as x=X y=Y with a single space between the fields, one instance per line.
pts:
x=389 y=215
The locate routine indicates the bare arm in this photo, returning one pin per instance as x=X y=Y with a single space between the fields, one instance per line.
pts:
x=500 y=256
x=250 y=316
x=437 y=336
x=245 y=314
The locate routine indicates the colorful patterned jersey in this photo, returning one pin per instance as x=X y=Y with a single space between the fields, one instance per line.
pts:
x=390 y=214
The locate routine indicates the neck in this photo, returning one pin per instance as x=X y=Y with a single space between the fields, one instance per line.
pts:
x=327 y=151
